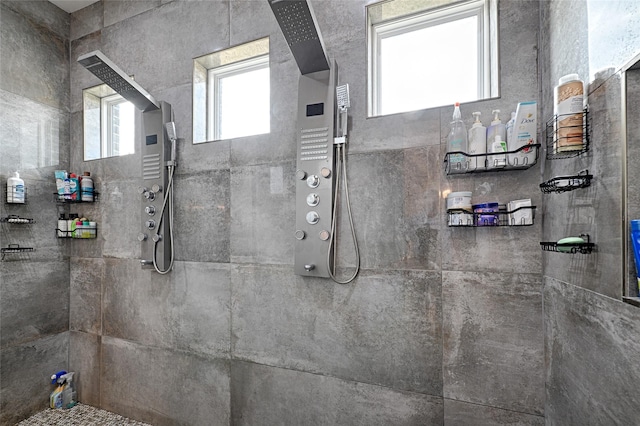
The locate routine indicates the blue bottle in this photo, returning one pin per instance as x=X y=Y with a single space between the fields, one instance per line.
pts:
x=635 y=239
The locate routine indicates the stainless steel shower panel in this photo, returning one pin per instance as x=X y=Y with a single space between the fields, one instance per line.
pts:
x=114 y=77
x=156 y=152
x=298 y=24
x=314 y=176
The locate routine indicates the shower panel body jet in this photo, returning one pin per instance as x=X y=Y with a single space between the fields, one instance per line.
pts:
x=158 y=160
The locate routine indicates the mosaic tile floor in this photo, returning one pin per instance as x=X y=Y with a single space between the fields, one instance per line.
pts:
x=80 y=415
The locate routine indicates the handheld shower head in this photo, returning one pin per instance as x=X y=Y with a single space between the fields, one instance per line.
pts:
x=171 y=130
x=114 y=77
x=342 y=97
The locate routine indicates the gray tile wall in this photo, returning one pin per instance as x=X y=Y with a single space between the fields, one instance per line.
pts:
x=273 y=347
x=425 y=334
x=34 y=139
x=587 y=328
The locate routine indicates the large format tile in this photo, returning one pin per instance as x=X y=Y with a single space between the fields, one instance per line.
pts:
x=457 y=413
x=396 y=209
x=35 y=49
x=84 y=361
x=164 y=387
x=262 y=213
x=592 y=346
x=493 y=340
x=85 y=294
x=25 y=382
x=384 y=328
x=187 y=309
x=268 y=396
x=34 y=302
x=202 y=217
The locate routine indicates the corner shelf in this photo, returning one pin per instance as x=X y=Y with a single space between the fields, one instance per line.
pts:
x=514 y=160
x=14 y=249
x=501 y=218
x=583 y=248
x=567 y=183
x=552 y=137
x=15 y=219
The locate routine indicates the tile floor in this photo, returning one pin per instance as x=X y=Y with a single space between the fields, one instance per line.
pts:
x=80 y=415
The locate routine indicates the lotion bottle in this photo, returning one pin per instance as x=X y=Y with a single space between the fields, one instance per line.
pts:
x=477 y=143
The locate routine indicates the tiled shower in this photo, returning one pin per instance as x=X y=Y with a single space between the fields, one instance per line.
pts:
x=442 y=326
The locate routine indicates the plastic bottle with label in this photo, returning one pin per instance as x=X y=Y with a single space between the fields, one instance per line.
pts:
x=496 y=142
x=477 y=143
x=457 y=141
x=86 y=188
x=568 y=107
x=15 y=189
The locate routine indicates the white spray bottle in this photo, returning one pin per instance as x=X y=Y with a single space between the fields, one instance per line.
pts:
x=496 y=142
x=477 y=143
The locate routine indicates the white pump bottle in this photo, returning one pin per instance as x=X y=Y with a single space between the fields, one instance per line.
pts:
x=477 y=143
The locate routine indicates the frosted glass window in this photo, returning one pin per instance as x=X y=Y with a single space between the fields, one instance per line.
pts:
x=431 y=58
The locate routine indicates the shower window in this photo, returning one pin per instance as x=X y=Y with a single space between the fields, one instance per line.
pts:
x=430 y=53
x=109 y=124
x=231 y=96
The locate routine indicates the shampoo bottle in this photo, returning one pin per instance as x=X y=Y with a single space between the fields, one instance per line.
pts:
x=15 y=189
x=457 y=141
x=496 y=142
x=477 y=143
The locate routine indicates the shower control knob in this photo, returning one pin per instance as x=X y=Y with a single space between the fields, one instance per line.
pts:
x=150 y=224
x=156 y=238
x=142 y=190
x=156 y=188
x=142 y=237
x=301 y=175
x=313 y=218
x=151 y=210
x=325 y=172
x=313 y=199
x=324 y=235
x=300 y=234
x=309 y=268
x=150 y=195
x=313 y=181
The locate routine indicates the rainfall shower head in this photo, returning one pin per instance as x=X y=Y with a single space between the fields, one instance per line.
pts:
x=114 y=77
x=298 y=24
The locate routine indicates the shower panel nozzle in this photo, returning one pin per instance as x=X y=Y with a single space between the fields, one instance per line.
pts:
x=114 y=77
x=300 y=29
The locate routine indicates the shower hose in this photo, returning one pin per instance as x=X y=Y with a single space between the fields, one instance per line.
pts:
x=342 y=172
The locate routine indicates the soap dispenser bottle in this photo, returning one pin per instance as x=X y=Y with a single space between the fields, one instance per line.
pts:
x=496 y=142
x=457 y=141
x=477 y=143
x=15 y=189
